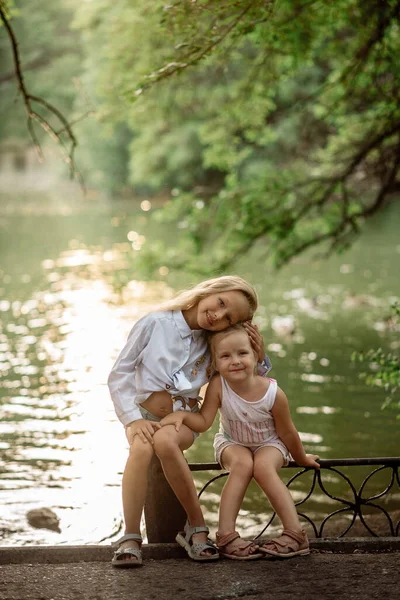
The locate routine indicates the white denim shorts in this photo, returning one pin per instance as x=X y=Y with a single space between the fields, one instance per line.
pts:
x=221 y=441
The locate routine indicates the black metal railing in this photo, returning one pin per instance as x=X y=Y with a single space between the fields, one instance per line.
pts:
x=355 y=502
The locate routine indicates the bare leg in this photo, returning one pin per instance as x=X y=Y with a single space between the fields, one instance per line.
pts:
x=238 y=460
x=134 y=487
x=267 y=463
x=169 y=445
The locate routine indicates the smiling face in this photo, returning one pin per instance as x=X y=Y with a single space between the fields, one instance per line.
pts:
x=233 y=356
x=216 y=312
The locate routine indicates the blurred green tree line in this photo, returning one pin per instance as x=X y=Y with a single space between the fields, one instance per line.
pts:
x=274 y=123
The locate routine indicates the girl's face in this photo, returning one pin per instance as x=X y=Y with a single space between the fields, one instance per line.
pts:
x=218 y=311
x=234 y=357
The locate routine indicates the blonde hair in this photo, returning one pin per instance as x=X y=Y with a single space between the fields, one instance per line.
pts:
x=217 y=336
x=226 y=283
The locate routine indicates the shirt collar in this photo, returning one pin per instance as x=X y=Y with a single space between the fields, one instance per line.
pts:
x=183 y=327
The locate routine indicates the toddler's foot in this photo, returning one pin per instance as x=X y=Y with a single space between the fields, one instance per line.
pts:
x=291 y=543
x=232 y=546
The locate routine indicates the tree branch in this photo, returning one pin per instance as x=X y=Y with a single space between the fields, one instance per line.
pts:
x=37 y=63
x=190 y=60
x=29 y=101
x=364 y=51
x=348 y=223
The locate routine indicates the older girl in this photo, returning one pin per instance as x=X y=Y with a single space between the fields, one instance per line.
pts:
x=160 y=370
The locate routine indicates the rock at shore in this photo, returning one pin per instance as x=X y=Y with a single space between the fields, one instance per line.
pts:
x=43 y=518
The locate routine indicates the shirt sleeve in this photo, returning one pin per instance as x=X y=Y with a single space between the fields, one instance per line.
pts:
x=264 y=367
x=122 y=379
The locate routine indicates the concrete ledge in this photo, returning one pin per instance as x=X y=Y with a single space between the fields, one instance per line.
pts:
x=361 y=544
x=75 y=554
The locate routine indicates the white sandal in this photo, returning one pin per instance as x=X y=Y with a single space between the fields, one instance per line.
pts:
x=117 y=561
x=195 y=549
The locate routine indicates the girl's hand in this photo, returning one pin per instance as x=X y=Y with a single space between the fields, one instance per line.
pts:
x=143 y=428
x=256 y=339
x=310 y=461
x=174 y=418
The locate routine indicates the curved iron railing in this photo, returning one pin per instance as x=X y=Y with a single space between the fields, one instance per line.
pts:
x=354 y=505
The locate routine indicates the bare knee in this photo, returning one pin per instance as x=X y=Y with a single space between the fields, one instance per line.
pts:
x=141 y=451
x=242 y=466
x=264 y=470
x=267 y=463
x=165 y=442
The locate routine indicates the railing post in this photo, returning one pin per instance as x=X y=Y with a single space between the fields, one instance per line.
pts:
x=163 y=513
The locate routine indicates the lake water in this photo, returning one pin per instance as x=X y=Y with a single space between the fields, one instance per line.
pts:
x=64 y=320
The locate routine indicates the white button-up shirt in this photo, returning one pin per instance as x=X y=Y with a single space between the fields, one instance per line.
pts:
x=162 y=354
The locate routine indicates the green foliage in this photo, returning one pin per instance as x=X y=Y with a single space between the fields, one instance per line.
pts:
x=384 y=367
x=53 y=66
x=281 y=119
x=269 y=123
x=50 y=60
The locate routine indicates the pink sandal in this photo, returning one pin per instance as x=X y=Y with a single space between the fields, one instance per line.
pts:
x=243 y=550
x=297 y=545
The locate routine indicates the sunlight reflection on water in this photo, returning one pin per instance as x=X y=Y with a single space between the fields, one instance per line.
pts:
x=61 y=444
x=67 y=449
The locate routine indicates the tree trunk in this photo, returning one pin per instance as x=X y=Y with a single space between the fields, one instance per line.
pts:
x=163 y=513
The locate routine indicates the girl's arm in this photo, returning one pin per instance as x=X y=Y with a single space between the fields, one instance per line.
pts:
x=122 y=382
x=288 y=433
x=203 y=420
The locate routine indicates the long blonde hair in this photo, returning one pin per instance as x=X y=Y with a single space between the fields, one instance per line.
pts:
x=226 y=283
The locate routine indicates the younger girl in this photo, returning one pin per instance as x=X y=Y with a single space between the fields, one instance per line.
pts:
x=160 y=370
x=256 y=438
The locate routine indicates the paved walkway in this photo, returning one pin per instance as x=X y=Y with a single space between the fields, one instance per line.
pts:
x=323 y=575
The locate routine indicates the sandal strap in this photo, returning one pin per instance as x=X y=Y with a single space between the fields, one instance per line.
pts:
x=129 y=536
x=297 y=537
x=242 y=549
x=200 y=529
x=277 y=542
x=199 y=547
x=226 y=539
x=190 y=531
x=128 y=551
